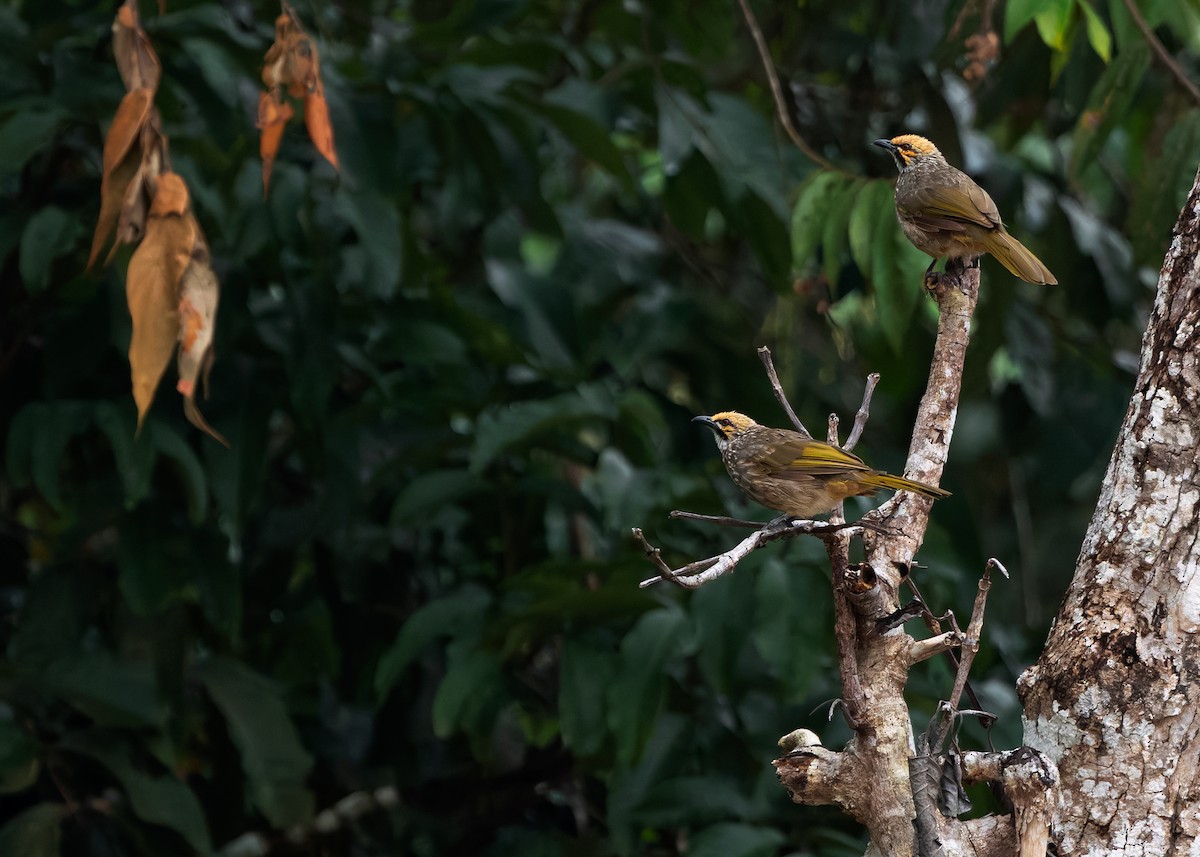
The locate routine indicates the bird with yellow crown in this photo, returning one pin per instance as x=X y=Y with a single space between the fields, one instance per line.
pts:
x=792 y=473
x=947 y=215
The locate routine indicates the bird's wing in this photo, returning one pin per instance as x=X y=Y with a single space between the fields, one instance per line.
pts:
x=790 y=455
x=950 y=207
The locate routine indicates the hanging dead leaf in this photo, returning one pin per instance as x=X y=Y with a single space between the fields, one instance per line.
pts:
x=122 y=160
x=291 y=62
x=199 y=292
x=136 y=60
x=273 y=117
x=292 y=66
x=152 y=287
x=316 y=117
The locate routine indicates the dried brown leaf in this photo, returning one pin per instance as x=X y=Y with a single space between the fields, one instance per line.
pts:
x=292 y=65
x=152 y=287
x=136 y=60
x=199 y=292
x=273 y=117
x=122 y=159
x=316 y=117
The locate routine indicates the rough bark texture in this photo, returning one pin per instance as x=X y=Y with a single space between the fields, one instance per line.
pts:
x=870 y=778
x=1115 y=697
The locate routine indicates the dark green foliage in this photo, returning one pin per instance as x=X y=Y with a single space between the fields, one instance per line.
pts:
x=454 y=377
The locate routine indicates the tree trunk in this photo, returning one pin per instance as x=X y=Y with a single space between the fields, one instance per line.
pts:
x=1115 y=697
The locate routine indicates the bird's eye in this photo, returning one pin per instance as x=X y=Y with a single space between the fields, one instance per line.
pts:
x=724 y=423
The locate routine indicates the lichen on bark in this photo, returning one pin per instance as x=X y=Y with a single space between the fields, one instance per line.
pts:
x=1114 y=699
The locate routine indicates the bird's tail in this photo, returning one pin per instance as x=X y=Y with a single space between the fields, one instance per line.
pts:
x=877 y=479
x=1015 y=256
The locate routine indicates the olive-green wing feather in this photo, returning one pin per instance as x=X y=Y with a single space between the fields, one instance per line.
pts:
x=950 y=207
x=792 y=456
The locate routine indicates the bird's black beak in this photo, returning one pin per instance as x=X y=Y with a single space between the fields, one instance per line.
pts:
x=885 y=144
x=708 y=421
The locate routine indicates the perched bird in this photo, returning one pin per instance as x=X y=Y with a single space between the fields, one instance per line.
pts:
x=792 y=473
x=945 y=214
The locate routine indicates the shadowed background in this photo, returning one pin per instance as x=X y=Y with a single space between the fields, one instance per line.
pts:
x=455 y=375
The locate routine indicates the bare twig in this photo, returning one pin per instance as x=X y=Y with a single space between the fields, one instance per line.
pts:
x=831 y=430
x=932 y=623
x=719 y=520
x=1160 y=51
x=864 y=411
x=923 y=650
x=764 y=354
x=968 y=647
x=785 y=118
x=696 y=574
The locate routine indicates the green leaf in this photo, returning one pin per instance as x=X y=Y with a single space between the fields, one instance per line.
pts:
x=24 y=134
x=273 y=759
x=35 y=832
x=1054 y=19
x=19 y=762
x=686 y=801
x=1018 y=13
x=1163 y=188
x=585 y=671
x=174 y=448
x=521 y=423
x=735 y=840
x=896 y=278
x=777 y=630
x=161 y=799
x=1097 y=32
x=767 y=235
x=470 y=693
x=37 y=441
x=134 y=457
x=428 y=494
x=448 y=616
x=151 y=574
x=809 y=214
x=836 y=236
x=671 y=738
x=636 y=692
x=589 y=137
x=876 y=196
x=49 y=234
x=377 y=223
x=112 y=691
x=1108 y=104
x=217 y=65
x=58 y=607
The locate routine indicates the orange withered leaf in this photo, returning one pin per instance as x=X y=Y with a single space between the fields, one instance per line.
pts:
x=292 y=67
x=122 y=159
x=152 y=287
x=136 y=60
x=273 y=117
x=198 y=296
x=316 y=118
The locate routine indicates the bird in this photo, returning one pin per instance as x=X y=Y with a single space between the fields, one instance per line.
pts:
x=945 y=214
x=790 y=472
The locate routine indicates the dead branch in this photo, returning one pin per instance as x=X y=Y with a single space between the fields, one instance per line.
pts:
x=764 y=354
x=696 y=574
x=781 y=108
x=1160 y=51
x=719 y=520
x=864 y=411
x=1031 y=780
